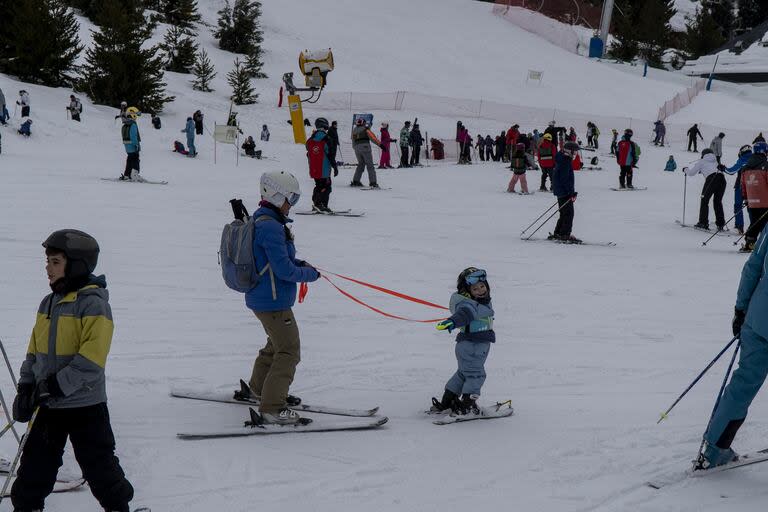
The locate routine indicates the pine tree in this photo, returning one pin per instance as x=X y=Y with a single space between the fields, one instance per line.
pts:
x=626 y=45
x=240 y=81
x=40 y=42
x=179 y=49
x=722 y=12
x=752 y=12
x=702 y=34
x=203 y=71
x=654 y=29
x=118 y=67
x=180 y=13
x=239 y=30
x=253 y=63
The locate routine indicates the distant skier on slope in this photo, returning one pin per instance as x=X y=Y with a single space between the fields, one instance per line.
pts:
x=362 y=137
x=318 y=156
x=24 y=102
x=132 y=142
x=472 y=315
x=627 y=156
x=547 y=151
x=75 y=108
x=189 y=130
x=717 y=146
x=415 y=140
x=405 y=132
x=520 y=162
x=714 y=188
x=563 y=187
x=693 y=133
x=750 y=323
x=333 y=144
x=754 y=187
x=385 y=161
x=197 y=117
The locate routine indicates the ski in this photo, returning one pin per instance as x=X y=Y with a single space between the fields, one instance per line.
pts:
x=634 y=189
x=227 y=397
x=719 y=233
x=374 y=188
x=255 y=427
x=680 y=475
x=564 y=242
x=591 y=168
x=334 y=213
x=140 y=180
x=500 y=410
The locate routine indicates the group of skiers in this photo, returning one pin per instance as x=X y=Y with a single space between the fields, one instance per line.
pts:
x=25 y=126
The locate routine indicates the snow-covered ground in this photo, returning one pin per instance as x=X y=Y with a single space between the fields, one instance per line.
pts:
x=593 y=342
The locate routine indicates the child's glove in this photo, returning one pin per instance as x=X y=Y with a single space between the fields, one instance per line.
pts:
x=445 y=325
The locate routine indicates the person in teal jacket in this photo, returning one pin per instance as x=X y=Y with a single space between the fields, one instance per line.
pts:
x=132 y=143
x=750 y=323
x=671 y=164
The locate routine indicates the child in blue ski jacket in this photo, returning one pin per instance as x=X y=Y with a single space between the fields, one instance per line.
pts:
x=671 y=164
x=472 y=314
x=745 y=153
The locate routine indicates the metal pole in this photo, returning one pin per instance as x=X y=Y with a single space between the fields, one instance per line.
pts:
x=685 y=195
x=8 y=364
x=547 y=219
x=15 y=463
x=537 y=219
x=605 y=22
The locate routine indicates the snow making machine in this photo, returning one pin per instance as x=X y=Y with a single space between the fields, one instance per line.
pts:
x=315 y=66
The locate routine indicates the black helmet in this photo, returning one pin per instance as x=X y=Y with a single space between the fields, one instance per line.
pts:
x=628 y=132
x=81 y=249
x=470 y=276
x=706 y=151
x=743 y=150
x=321 y=123
x=571 y=146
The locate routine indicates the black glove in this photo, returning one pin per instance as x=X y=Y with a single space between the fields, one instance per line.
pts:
x=738 y=321
x=335 y=172
x=721 y=167
x=24 y=403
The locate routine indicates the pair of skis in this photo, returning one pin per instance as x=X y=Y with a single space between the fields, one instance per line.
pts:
x=332 y=213
x=674 y=477
x=138 y=180
x=362 y=419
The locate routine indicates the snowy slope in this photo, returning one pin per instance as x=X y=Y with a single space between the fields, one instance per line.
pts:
x=593 y=342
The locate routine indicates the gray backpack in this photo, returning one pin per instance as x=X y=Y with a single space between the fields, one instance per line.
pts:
x=238 y=266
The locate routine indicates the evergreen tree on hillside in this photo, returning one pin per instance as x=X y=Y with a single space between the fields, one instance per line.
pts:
x=722 y=12
x=654 y=29
x=180 y=13
x=240 y=80
x=626 y=45
x=153 y=5
x=117 y=67
x=702 y=34
x=752 y=12
x=40 y=42
x=239 y=30
x=93 y=9
x=179 y=49
x=204 y=72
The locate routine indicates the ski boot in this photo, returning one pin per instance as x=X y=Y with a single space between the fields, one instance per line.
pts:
x=749 y=246
x=553 y=236
x=700 y=225
x=446 y=404
x=283 y=417
x=570 y=239
x=467 y=405
x=712 y=456
x=374 y=185
x=246 y=394
x=356 y=184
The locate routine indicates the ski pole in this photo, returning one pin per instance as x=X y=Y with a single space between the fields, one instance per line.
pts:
x=9 y=416
x=7 y=427
x=547 y=219
x=750 y=225
x=537 y=219
x=685 y=195
x=717 y=403
x=726 y=223
x=16 y=459
x=8 y=364
x=666 y=413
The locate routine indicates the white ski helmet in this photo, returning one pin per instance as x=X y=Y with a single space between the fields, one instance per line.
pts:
x=278 y=187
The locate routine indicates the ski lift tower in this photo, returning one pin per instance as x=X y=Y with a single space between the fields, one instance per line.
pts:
x=597 y=44
x=315 y=66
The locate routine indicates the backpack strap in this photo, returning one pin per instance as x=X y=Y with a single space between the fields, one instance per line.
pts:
x=267 y=267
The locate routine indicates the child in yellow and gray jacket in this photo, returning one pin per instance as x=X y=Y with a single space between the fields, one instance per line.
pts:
x=62 y=389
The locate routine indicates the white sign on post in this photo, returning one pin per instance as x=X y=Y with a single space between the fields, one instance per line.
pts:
x=534 y=75
x=226 y=135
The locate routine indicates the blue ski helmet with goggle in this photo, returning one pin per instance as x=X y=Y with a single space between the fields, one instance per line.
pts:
x=470 y=276
x=760 y=147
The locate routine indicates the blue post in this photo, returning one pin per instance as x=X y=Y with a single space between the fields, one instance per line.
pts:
x=645 y=70
x=595 y=48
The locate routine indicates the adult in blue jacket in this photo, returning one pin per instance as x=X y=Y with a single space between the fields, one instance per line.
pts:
x=132 y=143
x=745 y=153
x=189 y=129
x=272 y=299
x=563 y=187
x=750 y=322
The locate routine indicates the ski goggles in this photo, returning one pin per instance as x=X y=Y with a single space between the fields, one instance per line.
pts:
x=293 y=198
x=475 y=277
